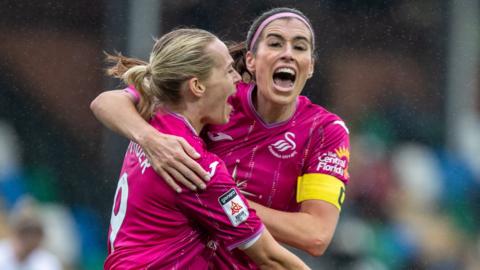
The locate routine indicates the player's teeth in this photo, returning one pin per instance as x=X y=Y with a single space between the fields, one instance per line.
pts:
x=286 y=70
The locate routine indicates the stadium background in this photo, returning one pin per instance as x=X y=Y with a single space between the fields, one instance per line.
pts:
x=403 y=75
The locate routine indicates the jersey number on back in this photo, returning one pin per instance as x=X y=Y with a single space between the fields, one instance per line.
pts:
x=119 y=208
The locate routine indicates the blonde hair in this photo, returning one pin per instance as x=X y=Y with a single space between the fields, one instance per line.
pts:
x=176 y=57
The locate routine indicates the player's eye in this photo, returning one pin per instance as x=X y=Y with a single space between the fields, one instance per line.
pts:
x=300 y=47
x=274 y=44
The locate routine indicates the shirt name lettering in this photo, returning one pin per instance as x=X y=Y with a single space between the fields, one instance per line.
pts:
x=142 y=158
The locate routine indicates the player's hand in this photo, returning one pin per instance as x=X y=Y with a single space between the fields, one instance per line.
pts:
x=174 y=160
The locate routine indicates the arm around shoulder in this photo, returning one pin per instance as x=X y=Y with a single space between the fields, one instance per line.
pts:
x=170 y=156
x=116 y=110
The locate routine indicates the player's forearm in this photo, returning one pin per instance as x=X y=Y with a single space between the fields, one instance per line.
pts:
x=117 y=112
x=285 y=260
x=268 y=254
x=298 y=229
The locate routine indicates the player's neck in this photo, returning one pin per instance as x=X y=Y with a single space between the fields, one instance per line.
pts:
x=191 y=114
x=272 y=112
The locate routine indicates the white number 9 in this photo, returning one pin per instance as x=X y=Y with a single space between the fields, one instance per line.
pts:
x=117 y=219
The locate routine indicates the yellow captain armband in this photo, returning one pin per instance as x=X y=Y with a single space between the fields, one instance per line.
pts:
x=317 y=186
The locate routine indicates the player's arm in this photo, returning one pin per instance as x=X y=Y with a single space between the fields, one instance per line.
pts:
x=311 y=229
x=268 y=254
x=171 y=156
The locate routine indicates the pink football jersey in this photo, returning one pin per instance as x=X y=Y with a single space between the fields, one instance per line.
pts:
x=153 y=227
x=266 y=159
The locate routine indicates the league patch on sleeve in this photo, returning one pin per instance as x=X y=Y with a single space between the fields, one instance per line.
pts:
x=234 y=207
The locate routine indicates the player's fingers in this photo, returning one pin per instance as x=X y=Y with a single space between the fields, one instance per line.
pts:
x=193 y=166
x=179 y=178
x=190 y=175
x=188 y=148
x=169 y=180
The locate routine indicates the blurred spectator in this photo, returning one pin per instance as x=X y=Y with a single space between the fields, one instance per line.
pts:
x=60 y=231
x=23 y=249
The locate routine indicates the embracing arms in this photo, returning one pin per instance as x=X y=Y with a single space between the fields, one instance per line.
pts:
x=311 y=229
x=170 y=156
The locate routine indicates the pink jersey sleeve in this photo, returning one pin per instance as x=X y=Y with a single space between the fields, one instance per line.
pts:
x=331 y=152
x=133 y=92
x=222 y=210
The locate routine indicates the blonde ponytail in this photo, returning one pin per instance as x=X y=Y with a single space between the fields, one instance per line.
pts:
x=176 y=57
x=139 y=76
x=134 y=72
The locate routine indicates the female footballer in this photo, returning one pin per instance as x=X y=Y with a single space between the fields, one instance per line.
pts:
x=287 y=155
x=152 y=227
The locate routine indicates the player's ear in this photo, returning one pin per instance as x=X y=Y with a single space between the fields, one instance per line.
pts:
x=311 y=68
x=250 y=62
x=196 y=87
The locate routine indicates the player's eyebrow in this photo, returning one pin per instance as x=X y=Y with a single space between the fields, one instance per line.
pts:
x=274 y=35
x=295 y=38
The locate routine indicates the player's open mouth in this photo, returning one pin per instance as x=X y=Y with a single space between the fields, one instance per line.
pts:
x=284 y=78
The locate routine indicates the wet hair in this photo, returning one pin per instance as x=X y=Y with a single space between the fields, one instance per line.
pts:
x=239 y=50
x=176 y=57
